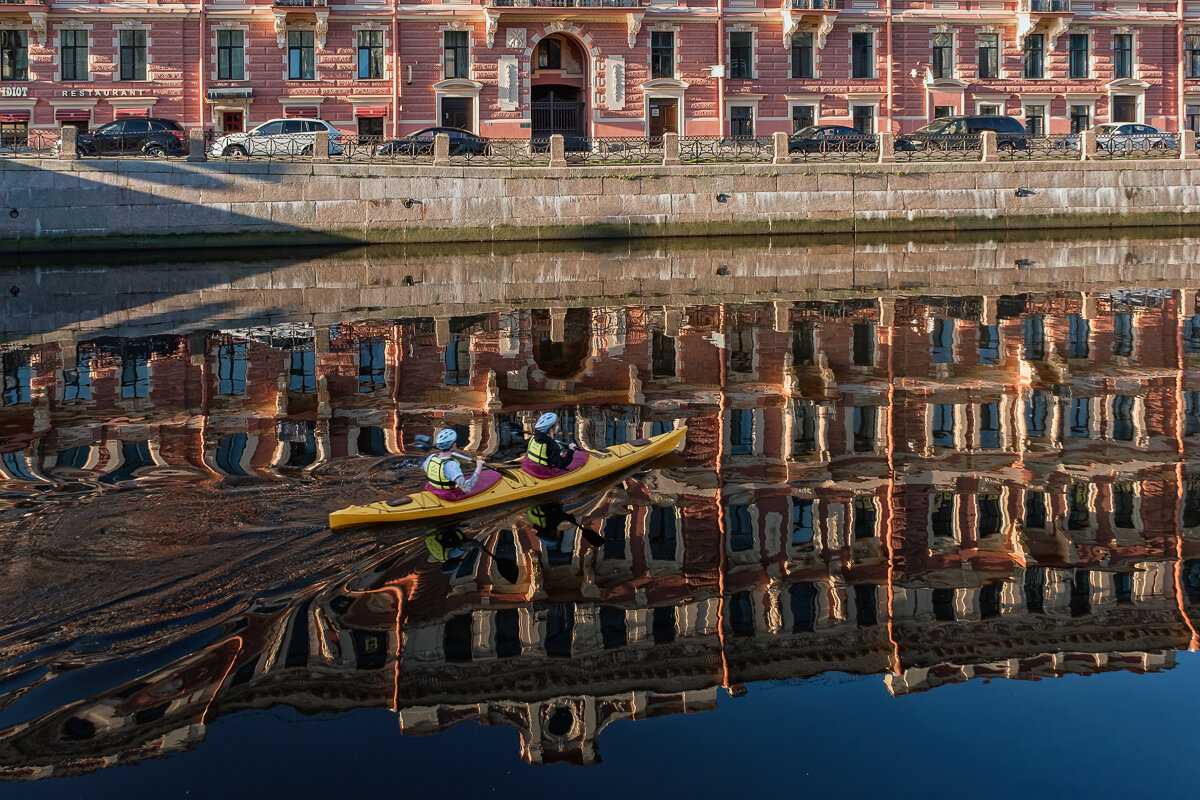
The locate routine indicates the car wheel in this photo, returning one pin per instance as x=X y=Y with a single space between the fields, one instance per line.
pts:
x=307 y=151
x=1159 y=145
x=155 y=151
x=236 y=150
x=1006 y=147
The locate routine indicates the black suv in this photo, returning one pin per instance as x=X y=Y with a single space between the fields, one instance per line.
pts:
x=133 y=135
x=945 y=132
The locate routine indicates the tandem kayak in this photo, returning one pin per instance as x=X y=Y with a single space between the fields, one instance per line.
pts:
x=514 y=485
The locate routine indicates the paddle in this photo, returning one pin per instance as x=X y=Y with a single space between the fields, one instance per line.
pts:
x=506 y=566
x=423 y=442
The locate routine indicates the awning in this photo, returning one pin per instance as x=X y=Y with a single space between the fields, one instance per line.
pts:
x=14 y=115
x=132 y=112
x=216 y=94
x=300 y=112
x=72 y=115
x=371 y=111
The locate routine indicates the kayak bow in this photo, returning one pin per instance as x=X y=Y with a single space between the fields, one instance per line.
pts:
x=514 y=485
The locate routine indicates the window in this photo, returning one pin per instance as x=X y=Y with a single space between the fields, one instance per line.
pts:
x=866 y=423
x=741 y=614
x=1124 y=108
x=1122 y=334
x=456 y=638
x=1191 y=48
x=1123 y=428
x=802 y=117
x=303 y=372
x=230 y=452
x=1078 y=334
x=866 y=606
x=560 y=627
x=662 y=625
x=14 y=55
x=943 y=605
x=741 y=431
x=943 y=341
x=1191 y=420
x=1033 y=59
x=739 y=527
x=802 y=55
x=989 y=426
x=1035 y=413
x=302 y=58
x=508 y=627
x=1035 y=338
x=741 y=121
x=1077 y=55
x=941 y=112
x=1081 y=593
x=372 y=364
x=1081 y=118
x=1122 y=501
x=989 y=344
x=803 y=530
x=864 y=344
x=741 y=55
x=662 y=54
x=1081 y=417
x=863 y=119
x=77 y=383
x=73 y=47
x=1078 y=508
x=370 y=55
x=133 y=55
x=1035 y=511
x=942 y=62
x=549 y=54
x=614 y=538
x=231 y=55
x=458 y=360
x=1193 y=119
x=1035 y=589
x=989 y=520
x=804 y=427
x=741 y=349
x=660 y=533
x=862 y=58
x=866 y=517
x=1035 y=120
x=455 y=57
x=1123 y=55
x=804 y=344
x=662 y=362
x=989 y=55
x=989 y=111
x=231 y=369
x=804 y=606
x=135 y=377
x=990 y=597
x=17 y=376
x=1191 y=334
x=941 y=514
x=943 y=425
x=612 y=627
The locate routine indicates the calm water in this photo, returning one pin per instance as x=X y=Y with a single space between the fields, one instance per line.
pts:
x=935 y=529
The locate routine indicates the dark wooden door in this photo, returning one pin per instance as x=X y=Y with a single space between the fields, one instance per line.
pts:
x=233 y=122
x=664 y=116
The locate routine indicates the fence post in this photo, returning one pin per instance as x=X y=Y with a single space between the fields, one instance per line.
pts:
x=988 y=146
x=320 y=147
x=558 y=150
x=887 y=147
x=196 y=145
x=1187 y=145
x=1087 y=145
x=66 y=144
x=441 y=150
x=780 y=140
x=671 y=150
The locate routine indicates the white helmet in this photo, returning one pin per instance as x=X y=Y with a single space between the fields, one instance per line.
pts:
x=545 y=422
x=446 y=439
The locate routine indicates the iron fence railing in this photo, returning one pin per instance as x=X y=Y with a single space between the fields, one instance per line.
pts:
x=506 y=153
x=716 y=149
x=613 y=150
x=952 y=147
x=1138 y=145
x=32 y=143
x=1034 y=148
x=833 y=148
x=273 y=147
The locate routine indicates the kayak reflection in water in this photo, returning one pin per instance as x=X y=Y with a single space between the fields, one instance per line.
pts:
x=546 y=457
x=547 y=520
x=445 y=477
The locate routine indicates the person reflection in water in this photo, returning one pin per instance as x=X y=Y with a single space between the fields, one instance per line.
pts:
x=546 y=457
x=547 y=520
x=449 y=548
x=445 y=477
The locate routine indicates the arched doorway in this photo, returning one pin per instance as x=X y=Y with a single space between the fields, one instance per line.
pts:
x=559 y=87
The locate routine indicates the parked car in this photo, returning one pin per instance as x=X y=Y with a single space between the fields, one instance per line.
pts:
x=1125 y=137
x=132 y=135
x=420 y=142
x=829 y=138
x=277 y=137
x=944 y=133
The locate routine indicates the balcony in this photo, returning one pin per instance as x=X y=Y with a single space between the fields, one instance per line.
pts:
x=299 y=3
x=568 y=3
x=815 y=5
x=1044 y=7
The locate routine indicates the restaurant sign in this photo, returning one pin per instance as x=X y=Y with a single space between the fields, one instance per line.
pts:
x=103 y=92
x=14 y=91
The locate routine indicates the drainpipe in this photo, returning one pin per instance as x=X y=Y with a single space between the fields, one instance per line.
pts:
x=395 y=68
x=1180 y=108
x=202 y=50
x=721 y=64
x=889 y=62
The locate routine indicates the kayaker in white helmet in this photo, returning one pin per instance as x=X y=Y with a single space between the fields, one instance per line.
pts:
x=546 y=457
x=445 y=476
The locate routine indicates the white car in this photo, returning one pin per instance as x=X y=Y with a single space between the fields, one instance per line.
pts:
x=277 y=137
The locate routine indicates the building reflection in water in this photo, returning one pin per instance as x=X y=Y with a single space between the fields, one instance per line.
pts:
x=925 y=488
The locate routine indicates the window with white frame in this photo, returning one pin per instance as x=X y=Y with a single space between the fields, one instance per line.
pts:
x=862 y=55
x=14 y=55
x=1035 y=120
x=456 y=54
x=941 y=62
x=803 y=116
x=989 y=56
x=132 y=55
x=370 y=55
x=803 y=55
x=662 y=54
x=73 y=54
x=302 y=55
x=741 y=54
x=231 y=55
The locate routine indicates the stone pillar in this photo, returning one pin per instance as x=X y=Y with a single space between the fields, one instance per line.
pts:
x=887 y=147
x=66 y=146
x=988 y=146
x=672 y=322
x=441 y=331
x=671 y=150
x=988 y=311
x=196 y=145
x=783 y=316
x=780 y=141
x=1087 y=146
x=1187 y=145
x=441 y=150
x=558 y=150
x=320 y=147
x=558 y=325
x=887 y=312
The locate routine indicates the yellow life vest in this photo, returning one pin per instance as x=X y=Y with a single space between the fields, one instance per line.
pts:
x=538 y=452
x=440 y=545
x=435 y=472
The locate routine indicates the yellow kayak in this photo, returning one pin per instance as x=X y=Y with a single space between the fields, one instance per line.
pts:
x=514 y=485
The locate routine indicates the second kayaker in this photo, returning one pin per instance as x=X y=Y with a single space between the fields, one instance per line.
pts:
x=446 y=478
x=545 y=456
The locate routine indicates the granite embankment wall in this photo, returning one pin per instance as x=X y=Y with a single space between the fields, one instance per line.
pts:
x=47 y=204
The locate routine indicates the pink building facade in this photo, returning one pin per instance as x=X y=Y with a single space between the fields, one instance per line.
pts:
x=516 y=68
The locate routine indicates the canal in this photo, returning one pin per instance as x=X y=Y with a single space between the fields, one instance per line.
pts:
x=935 y=528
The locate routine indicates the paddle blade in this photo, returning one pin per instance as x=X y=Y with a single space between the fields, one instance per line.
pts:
x=591 y=537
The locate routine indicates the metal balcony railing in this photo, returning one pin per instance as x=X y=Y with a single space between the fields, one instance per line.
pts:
x=1044 y=6
x=300 y=3
x=568 y=3
x=815 y=5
